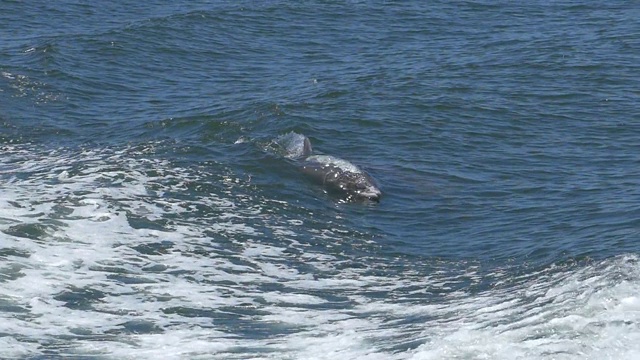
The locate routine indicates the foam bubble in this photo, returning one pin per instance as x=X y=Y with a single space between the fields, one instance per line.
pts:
x=104 y=254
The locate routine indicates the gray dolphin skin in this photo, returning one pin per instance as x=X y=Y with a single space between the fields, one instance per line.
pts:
x=334 y=174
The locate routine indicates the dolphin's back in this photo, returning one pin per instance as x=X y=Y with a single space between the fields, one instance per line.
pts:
x=341 y=176
x=333 y=162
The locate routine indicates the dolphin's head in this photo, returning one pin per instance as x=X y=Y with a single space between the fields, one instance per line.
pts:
x=372 y=194
x=364 y=189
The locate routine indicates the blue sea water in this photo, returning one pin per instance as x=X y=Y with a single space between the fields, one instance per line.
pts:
x=144 y=215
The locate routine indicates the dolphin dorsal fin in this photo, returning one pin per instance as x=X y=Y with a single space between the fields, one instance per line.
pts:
x=306 y=151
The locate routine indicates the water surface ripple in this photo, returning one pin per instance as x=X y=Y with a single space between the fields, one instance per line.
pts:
x=143 y=213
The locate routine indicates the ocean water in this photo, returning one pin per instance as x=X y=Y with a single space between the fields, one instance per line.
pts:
x=144 y=215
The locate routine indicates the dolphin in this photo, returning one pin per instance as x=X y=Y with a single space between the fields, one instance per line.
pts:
x=336 y=175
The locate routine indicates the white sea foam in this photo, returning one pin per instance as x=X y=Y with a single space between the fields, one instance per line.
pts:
x=291 y=145
x=99 y=255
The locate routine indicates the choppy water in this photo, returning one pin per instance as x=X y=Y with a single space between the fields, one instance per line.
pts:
x=142 y=215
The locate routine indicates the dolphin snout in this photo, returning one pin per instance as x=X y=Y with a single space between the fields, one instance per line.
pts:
x=371 y=195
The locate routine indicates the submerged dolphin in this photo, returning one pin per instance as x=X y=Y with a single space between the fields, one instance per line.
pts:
x=335 y=174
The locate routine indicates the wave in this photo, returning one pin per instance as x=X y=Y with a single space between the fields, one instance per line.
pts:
x=116 y=253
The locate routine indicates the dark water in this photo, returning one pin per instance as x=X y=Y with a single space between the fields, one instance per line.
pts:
x=143 y=215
